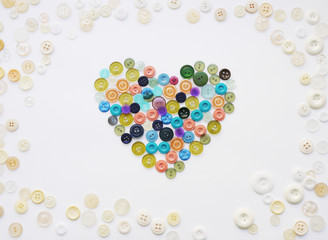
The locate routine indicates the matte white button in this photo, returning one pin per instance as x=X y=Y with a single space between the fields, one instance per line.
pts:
x=99 y=96
x=319 y=167
x=313 y=45
x=300 y=32
x=262 y=182
x=317 y=223
x=306 y=146
x=105 y=11
x=46 y=60
x=323 y=116
x=91 y=200
x=5 y=55
x=208 y=116
x=88 y=218
x=243 y=218
x=288 y=46
x=172 y=235
x=318 y=82
x=199 y=233
x=261 y=23
x=280 y=15
x=267 y=199
x=11 y=125
x=2 y=187
x=45 y=219
x=312 y=125
x=294 y=193
x=298 y=58
x=312 y=17
x=220 y=14
x=121 y=14
x=124 y=227
x=310 y=208
x=316 y=99
x=309 y=183
x=297 y=14
x=50 y=202
x=21 y=34
x=240 y=11
x=79 y=4
x=108 y=216
x=321 y=30
x=275 y=220
x=251 y=6
x=253 y=229
x=322 y=69
x=158 y=226
x=122 y=206
x=206 y=5
x=61 y=229
x=103 y=230
x=24 y=145
x=140 y=65
x=304 y=110
x=141 y=3
x=231 y=84
x=70 y=33
x=95 y=3
x=174 y=4
x=157 y=6
x=56 y=28
x=63 y=10
x=25 y=83
x=23 y=48
x=193 y=15
x=298 y=174
x=144 y=16
x=311 y=173
x=144 y=218
x=301 y=228
x=41 y=68
x=322 y=146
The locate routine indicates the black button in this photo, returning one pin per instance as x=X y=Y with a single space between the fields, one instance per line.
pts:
x=181 y=97
x=184 y=112
x=126 y=138
x=112 y=120
x=136 y=130
x=143 y=81
x=225 y=74
x=134 y=107
x=166 y=134
x=157 y=125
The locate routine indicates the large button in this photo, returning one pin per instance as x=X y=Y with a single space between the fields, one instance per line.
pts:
x=243 y=218
x=294 y=193
x=144 y=218
x=158 y=226
x=312 y=17
x=148 y=160
x=171 y=157
x=138 y=148
x=317 y=223
x=73 y=213
x=304 y=110
x=313 y=45
x=262 y=182
x=192 y=103
x=122 y=206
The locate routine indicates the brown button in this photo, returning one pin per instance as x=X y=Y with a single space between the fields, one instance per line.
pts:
x=2 y=44
x=14 y=75
x=12 y=163
x=321 y=189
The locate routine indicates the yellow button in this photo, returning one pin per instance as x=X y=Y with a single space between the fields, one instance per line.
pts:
x=14 y=75
x=73 y=213
x=126 y=99
x=132 y=75
x=37 y=196
x=116 y=68
x=2 y=73
x=138 y=148
x=172 y=107
x=174 y=218
x=149 y=160
x=101 y=84
x=277 y=207
x=2 y=44
x=126 y=119
x=192 y=103
x=196 y=147
x=214 y=127
x=320 y=189
x=21 y=206
x=12 y=163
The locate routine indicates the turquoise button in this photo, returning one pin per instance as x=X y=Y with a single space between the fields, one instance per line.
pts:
x=177 y=122
x=116 y=110
x=151 y=148
x=196 y=115
x=151 y=136
x=205 y=106
x=153 y=82
x=163 y=79
x=157 y=91
x=145 y=106
x=164 y=147
x=138 y=98
x=188 y=137
x=104 y=73
x=208 y=91
x=221 y=88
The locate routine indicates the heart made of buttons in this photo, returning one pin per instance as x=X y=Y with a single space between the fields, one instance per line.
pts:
x=168 y=118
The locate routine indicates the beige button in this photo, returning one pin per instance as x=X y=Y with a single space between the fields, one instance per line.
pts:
x=37 y=196
x=12 y=163
x=105 y=11
x=275 y=220
x=321 y=189
x=88 y=218
x=310 y=208
x=25 y=193
x=28 y=66
x=253 y=229
x=158 y=226
x=25 y=83
x=277 y=207
x=2 y=73
x=193 y=15
x=2 y=187
x=24 y=145
x=300 y=228
x=122 y=206
x=279 y=15
x=47 y=47
x=45 y=219
x=288 y=46
x=297 y=14
x=44 y=17
x=31 y=24
x=107 y=216
x=306 y=146
x=21 y=206
x=91 y=200
x=93 y=13
x=220 y=14
x=305 y=79
x=73 y=213
x=3 y=156
x=124 y=227
x=261 y=23
x=22 y=6
x=251 y=7
x=14 y=75
x=63 y=10
x=144 y=16
x=50 y=202
x=239 y=11
x=8 y=3
x=86 y=24
x=174 y=218
x=2 y=211
x=11 y=125
x=15 y=229
x=298 y=58
x=46 y=60
x=289 y=234
x=174 y=4
x=103 y=230
x=266 y=9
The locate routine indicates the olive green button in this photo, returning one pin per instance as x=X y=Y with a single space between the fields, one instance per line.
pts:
x=129 y=63
x=153 y=82
x=192 y=103
x=228 y=107
x=119 y=130
x=132 y=75
x=187 y=71
x=101 y=84
x=212 y=69
x=214 y=127
x=199 y=66
x=205 y=139
x=170 y=173
x=116 y=68
x=229 y=97
x=200 y=79
x=138 y=148
x=126 y=119
x=179 y=166
x=149 y=160
x=214 y=79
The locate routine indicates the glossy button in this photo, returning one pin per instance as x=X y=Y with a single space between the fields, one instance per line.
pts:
x=184 y=113
x=73 y=213
x=196 y=147
x=229 y=108
x=214 y=127
x=37 y=196
x=243 y=218
x=187 y=71
x=161 y=166
x=116 y=68
x=148 y=160
x=138 y=148
x=101 y=84
x=164 y=147
x=170 y=173
x=277 y=207
x=126 y=138
x=200 y=79
x=151 y=148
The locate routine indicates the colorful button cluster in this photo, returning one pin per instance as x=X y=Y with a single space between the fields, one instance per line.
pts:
x=165 y=115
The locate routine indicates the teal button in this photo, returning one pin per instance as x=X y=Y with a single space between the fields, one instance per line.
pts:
x=158 y=91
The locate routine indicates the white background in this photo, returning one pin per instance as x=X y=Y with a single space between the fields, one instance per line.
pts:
x=74 y=150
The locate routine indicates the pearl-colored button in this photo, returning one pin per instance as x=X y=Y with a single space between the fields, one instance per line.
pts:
x=91 y=200
x=25 y=83
x=304 y=110
x=288 y=46
x=294 y=193
x=297 y=14
x=205 y=5
x=313 y=45
x=280 y=15
x=61 y=229
x=144 y=16
x=299 y=174
x=107 y=216
x=15 y=230
x=275 y=220
x=47 y=47
x=240 y=11
x=306 y=146
x=25 y=193
x=251 y=7
x=193 y=15
x=63 y=10
x=317 y=223
x=174 y=4
x=28 y=66
x=309 y=183
x=316 y=99
x=73 y=213
x=310 y=208
x=158 y=226
x=124 y=227
x=50 y=202
x=243 y=218
x=88 y=218
x=312 y=125
x=321 y=30
x=277 y=37
x=45 y=219
x=312 y=17
x=199 y=233
x=103 y=230
x=305 y=79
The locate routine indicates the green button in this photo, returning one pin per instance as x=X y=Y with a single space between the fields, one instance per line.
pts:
x=214 y=127
x=228 y=107
x=214 y=79
x=187 y=71
x=199 y=66
x=179 y=166
x=119 y=130
x=200 y=79
x=170 y=173
x=153 y=82
x=129 y=63
x=212 y=69
x=205 y=139
x=229 y=97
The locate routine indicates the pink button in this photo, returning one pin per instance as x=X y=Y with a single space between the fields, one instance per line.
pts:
x=174 y=80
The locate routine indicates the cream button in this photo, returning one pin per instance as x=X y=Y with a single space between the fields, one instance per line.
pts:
x=243 y=218
x=294 y=193
x=95 y=3
x=141 y=3
x=63 y=10
x=262 y=182
x=158 y=226
x=193 y=15
x=70 y=33
x=298 y=174
x=205 y=5
x=306 y=146
x=28 y=66
x=280 y=15
x=12 y=163
x=312 y=17
x=2 y=145
x=29 y=101
x=253 y=229
x=267 y=199
x=25 y=193
x=144 y=218
x=2 y=188
x=240 y=11
x=261 y=23
x=288 y=46
x=199 y=233
x=251 y=7
x=124 y=227
x=50 y=202
x=144 y=16
x=41 y=69
x=11 y=125
x=300 y=32
x=304 y=110
x=311 y=173
x=321 y=30
x=25 y=83
x=297 y=14
x=47 y=47
x=3 y=156
x=277 y=207
x=174 y=218
x=44 y=17
x=122 y=206
x=220 y=14
x=23 y=48
x=318 y=167
x=93 y=13
x=300 y=228
x=103 y=230
x=24 y=145
x=317 y=223
x=44 y=219
x=289 y=234
x=321 y=189
x=313 y=45
x=316 y=99
x=3 y=131
x=86 y=24
x=298 y=58
x=45 y=27
x=275 y=220
x=22 y=6
x=91 y=200
x=13 y=14
x=174 y=4
x=15 y=230
x=309 y=183
x=266 y=9
x=88 y=218
x=21 y=206
x=61 y=229
x=46 y=60
x=305 y=79
x=37 y=196
x=56 y=28
x=277 y=37
x=310 y=208
x=73 y=213
x=312 y=125
x=107 y=216
x=157 y=6
x=105 y=11
x=21 y=34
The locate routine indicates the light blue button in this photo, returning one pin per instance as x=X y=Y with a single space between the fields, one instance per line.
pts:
x=184 y=154
x=144 y=106
x=221 y=88
x=208 y=91
x=164 y=147
x=151 y=135
x=104 y=73
x=188 y=137
x=153 y=82
x=196 y=115
x=151 y=147
x=116 y=110
x=205 y=106
x=177 y=122
x=163 y=79
x=138 y=98
x=167 y=118
x=104 y=106
x=158 y=91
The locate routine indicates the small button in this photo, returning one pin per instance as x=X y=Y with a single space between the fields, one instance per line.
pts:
x=149 y=71
x=214 y=127
x=63 y=10
x=277 y=37
x=280 y=15
x=306 y=146
x=136 y=130
x=44 y=219
x=15 y=230
x=199 y=233
x=187 y=71
x=103 y=230
x=47 y=47
x=122 y=206
x=21 y=206
x=37 y=196
x=289 y=234
x=251 y=6
x=309 y=183
x=171 y=157
x=193 y=15
x=138 y=148
x=25 y=193
x=300 y=228
x=220 y=14
x=321 y=189
x=124 y=227
x=297 y=14
x=144 y=16
x=158 y=226
x=253 y=229
x=288 y=46
x=88 y=218
x=174 y=218
x=298 y=174
x=50 y=202
x=196 y=148
x=266 y=9
x=186 y=86
x=174 y=4
x=277 y=207
x=161 y=166
x=144 y=218
x=184 y=154
x=73 y=213
x=200 y=79
x=112 y=120
x=262 y=182
x=183 y=113
x=170 y=173
x=12 y=163
x=275 y=220
x=116 y=68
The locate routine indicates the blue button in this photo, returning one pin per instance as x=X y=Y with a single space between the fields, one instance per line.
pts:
x=167 y=118
x=196 y=115
x=126 y=138
x=208 y=91
x=164 y=147
x=184 y=154
x=181 y=97
x=136 y=130
x=158 y=91
x=104 y=73
x=116 y=109
x=177 y=122
x=151 y=135
x=145 y=106
x=151 y=147
x=163 y=79
x=188 y=137
x=221 y=88
x=138 y=98
x=205 y=106
x=147 y=93
x=104 y=106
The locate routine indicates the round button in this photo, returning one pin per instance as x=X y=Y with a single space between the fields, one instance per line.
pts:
x=193 y=15
x=196 y=147
x=170 y=173
x=243 y=218
x=288 y=46
x=119 y=130
x=15 y=230
x=12 y=163
x=47 y=47
x=174 y=4
x=50 y=202
x=144 y=218
x=321 y=189
x=297 y=14
x=101 y=85
x=199 y=233
x=300 y=228
x=88 y=218
x=91 y=200
x=277 y=37
x=294 y=193
x=304 y=110
x=116 y=68
x=61 y=229
x=112 y=120
x=306 y=146
x=298 y=174
x=289 y=234
x=317 y=223
x=158 y=226
x=124 y=227
x=262 y=182
x=107 y=216
x=138 y=148
x=187 y=71
x=214 y=127
x=277 y=207
x=103 y=230
x=310 y=208
x=37 y=196
x=280 y=15
x=45 y=219
x=309 y=183
x=314 y=45
x=73 y=213
x=174 y=218
x=136 y=130
x=25 y=193
x=312 y=17
x=251 y=6
x=275 y=220
x=21 y=206
x=266 y=9
x=122 y=206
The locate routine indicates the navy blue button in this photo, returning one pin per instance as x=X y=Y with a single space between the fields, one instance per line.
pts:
x=136 y=130
x=167 y=118
x=104 y=106
x=151 y=135
x=166 y=134
x=181 y=97
x=143 y=81
x=134 y=107
x=157 y=125
x=184 y=112
x=126 y=138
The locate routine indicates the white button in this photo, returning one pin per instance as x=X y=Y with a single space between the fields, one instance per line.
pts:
x=267 y=199
x=306 y=146
x=261 y=23
x=105 y=11
x=309 y=183
x=22 y=5
x=220 y=14
x=56 y=28
x=21 y=34
x=297 y=14
x=279 y=15
x=141 y=3
x=25 y=82
x=231 y=84
x=288 y=46
x=144 y=218
x=323 y=116
x=312 y=17
x=50 y=202
x=93 y=13
x=47 y=47
x=294 y=193
x=13 y=14
x=174 y=4
x=91 y=200
x=88 y=218
x=41 y=68
x=206 y=5
x=3 y=130
x=240 y=11
x=243 y=218
x=122 y=206
x=24 y=145
x=113 y=3
x=12 y=124
x=79 y=4
x=322 y=59
x=86 y=24
x=193 y=15
x=23 y=48
x=322 y=146
x=45 y=27
x=316 y=99
x=318 y=82
x=99 y=96
x=140 y=65
x=63 y=10
x=157 y=6
x=199 y=233
x=45 y=219
x=301 y=228
x=172 y=235
x=251 y=6
x=318 y=167
x=61 y=229
x=298 y=58
x=158 y=226
x=262 y=182
x=253 y=229
x=70 y=33
x=144 y=16
x=304 y=110
x=95 y=3
x=312 y=125
x=310 y=208
x=275 y=220
x=124 y=227
x=300 y=32
x=321 y=30
x=305 y=79
x=317 y=223
x=25 y=193
x=277 y=37
x=208 y=116
x=313 y=45
x=121 y=14
x=5 y=55
x=46 y=60
x=103 y=230
x=298 y=174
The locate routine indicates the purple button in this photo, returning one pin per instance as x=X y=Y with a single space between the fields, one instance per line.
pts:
x=194 y=91
x=162 y=111
x=158 y=102
x=174 y=80
x=179 y=132
x=125 y=109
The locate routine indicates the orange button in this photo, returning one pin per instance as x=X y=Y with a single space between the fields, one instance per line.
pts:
x=177 y=144
x=189 y=125
x=139 y=118
x=200 y=130
x=112 y=95
x=171 y=157
x=135 y=89
x=217 y=102
x=122 y=85
x=14 y=75
x=152 y=114
x=169 y=91
x=161 y=166
x=219 y=114
x=185 y=86
x=149 y=71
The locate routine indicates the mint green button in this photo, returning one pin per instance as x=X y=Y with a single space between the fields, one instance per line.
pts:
x=228 y=107
x=205 y=139
x=199 y=66
x=214 y=79
x=153 y=82
x=119 y=130
x=129 y=63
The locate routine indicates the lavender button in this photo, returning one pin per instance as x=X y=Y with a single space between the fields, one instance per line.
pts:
x=194 y=91
x=125 y=109
x=179 y=132
x=162 y=111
